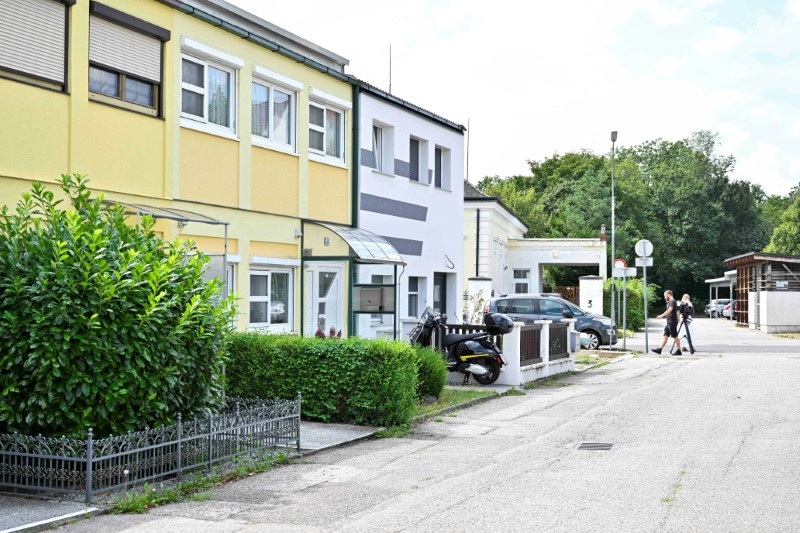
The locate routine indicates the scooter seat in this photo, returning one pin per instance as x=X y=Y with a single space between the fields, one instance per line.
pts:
x=453 y=338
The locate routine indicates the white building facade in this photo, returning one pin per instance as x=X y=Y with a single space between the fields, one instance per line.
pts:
x=411 y=192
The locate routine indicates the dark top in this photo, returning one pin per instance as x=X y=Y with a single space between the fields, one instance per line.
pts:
x=672 y=318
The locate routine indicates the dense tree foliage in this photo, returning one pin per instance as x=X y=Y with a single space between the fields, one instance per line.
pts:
x=678 y=194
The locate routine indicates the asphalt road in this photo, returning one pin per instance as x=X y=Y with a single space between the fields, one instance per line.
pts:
x=703 y=443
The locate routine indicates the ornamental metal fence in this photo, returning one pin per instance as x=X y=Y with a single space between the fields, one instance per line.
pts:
x=559 y=341
x=245 y=427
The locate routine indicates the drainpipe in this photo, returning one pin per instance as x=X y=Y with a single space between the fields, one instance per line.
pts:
x=356 y=164
x=477 y=239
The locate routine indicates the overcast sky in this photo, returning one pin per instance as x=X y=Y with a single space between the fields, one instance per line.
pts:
x=534 y=78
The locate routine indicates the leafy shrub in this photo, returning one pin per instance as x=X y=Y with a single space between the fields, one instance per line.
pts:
x=350 y=380
x=431 y=373
x=101 y=324
x=635 y=307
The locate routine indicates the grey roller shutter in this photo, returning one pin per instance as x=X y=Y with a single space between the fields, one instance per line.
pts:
x=437 y=168
x=33 y=38
x=128 y=51
x=413 y=160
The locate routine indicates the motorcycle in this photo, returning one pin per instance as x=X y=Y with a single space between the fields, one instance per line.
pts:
x=473 y=354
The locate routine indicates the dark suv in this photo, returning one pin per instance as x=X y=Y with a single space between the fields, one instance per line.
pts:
x=529 y=308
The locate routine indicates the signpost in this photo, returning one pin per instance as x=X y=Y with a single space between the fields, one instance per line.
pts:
x=624 y=273
x=644 y=249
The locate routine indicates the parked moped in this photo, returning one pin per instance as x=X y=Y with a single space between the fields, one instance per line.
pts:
x=473 y=354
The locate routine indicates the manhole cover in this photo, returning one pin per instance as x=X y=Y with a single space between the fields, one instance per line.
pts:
x=598 y=446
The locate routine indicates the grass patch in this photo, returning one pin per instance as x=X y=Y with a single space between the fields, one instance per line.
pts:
x=449 y=398
x=788 y=335
x=586 y=359
x=552 y=381
x=514 y=392
x=193 y=489
x=674 y=489
x=394 y=432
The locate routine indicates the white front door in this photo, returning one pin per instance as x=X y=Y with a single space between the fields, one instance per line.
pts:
x=324 y=298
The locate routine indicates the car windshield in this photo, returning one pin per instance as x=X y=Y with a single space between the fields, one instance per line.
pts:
x=577 y=311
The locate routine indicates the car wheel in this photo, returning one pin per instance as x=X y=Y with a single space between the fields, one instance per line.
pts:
x=594 y=339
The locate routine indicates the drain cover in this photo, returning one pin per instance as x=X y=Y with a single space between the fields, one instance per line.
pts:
x=598 y=446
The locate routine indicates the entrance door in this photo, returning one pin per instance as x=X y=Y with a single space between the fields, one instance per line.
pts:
x=439 y=293
x=324 y=298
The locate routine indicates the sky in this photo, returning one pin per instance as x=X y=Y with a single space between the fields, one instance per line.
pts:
x=536 y=78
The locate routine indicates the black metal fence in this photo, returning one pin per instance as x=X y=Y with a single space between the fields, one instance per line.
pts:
x=559 y=345
x=245 y=427
x=530 y=345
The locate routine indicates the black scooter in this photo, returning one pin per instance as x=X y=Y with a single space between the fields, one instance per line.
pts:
x=472 y=354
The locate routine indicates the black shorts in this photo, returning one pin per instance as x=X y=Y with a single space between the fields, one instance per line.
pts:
x=671 y=330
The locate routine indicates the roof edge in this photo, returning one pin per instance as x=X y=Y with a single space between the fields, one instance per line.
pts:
x=384 y=95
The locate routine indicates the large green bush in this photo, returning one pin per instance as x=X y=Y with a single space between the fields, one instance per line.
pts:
x=431 y=373
x=351 y=380
x=101 y=324
x=635 y=307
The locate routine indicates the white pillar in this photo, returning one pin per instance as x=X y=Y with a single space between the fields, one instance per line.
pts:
x=511 y=351
x=544 y=340
x=573 y=337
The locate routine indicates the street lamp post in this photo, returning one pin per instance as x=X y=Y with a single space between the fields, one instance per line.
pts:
x=613 y=226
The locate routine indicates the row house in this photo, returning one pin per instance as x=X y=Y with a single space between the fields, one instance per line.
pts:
x=247 y=140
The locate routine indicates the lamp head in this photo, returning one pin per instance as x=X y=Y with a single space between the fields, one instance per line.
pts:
x=613 y=136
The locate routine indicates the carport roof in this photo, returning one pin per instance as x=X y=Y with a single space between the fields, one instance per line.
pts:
x=760 y=257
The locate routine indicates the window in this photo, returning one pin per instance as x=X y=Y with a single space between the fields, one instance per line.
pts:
x=441 y=168
x=207 y=92
x=124 y=63
x=413 y=159
x=270 y=303
x=521 y=277
x=273 y=113
x=377 y=147
x=33 y=43
x=413 y=296
x=550 y=308
x=325 y=130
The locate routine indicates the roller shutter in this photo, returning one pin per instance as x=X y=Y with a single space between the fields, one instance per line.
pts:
x=124 y=50
x=33 y=38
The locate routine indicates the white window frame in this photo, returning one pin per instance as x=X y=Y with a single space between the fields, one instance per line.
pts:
x=409 y=313
x=269 y=142
x=377 y=147
x=282 y=327
x=232 y=91
x=322 y=153
x=525 y=280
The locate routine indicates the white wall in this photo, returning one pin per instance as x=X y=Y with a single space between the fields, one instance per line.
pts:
x=441 y=231
x=780 y=312
x=534 y=253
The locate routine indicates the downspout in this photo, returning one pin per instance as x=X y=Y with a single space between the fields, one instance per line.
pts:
x=477 y=240
x=356 y=164
x=302 y=277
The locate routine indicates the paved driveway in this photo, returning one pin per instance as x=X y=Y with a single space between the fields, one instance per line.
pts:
x=705 y=443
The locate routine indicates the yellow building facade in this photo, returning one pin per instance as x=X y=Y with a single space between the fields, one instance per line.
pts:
x=195 y=106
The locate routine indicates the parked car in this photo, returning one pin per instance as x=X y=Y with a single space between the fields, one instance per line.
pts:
x=716 y=306
x=528 y=308
x=726 y=311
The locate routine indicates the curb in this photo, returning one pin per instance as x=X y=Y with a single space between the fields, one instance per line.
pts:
x=307 y=453
x=603 y=363
x=56 y=521
x=463 y=405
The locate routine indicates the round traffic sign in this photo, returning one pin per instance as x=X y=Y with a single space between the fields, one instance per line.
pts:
x=644 y=248
x=620 y=263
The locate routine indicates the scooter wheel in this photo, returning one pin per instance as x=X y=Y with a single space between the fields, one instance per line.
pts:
x=494 y=372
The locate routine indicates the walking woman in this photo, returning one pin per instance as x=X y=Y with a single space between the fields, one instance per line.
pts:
x=688 y=325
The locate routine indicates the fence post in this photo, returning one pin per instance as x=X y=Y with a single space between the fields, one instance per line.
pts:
x=210 y=444
x=544 y=340
x=180 y=445
x=512 y=350
x=89 y=461
x=299 y=417
x=573 y=344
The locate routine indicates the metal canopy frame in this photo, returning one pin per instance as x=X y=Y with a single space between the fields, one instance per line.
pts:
x=365 y=248
x=182 y=217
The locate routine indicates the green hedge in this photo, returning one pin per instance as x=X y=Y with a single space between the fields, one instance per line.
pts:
x=353 y=380
x=431 y=374
x=635 y=307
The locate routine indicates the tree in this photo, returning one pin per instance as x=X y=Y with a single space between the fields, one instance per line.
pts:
x=102 y=324
x=786 y=236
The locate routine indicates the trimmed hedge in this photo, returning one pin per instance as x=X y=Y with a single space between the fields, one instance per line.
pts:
x=357 y=381
x=431 y=373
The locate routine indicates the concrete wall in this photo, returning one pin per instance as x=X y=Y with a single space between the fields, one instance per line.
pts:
x=425 y=219
x=780 y=311
x=534 y=253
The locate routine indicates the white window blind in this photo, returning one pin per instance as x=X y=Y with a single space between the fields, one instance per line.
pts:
x=128 y=51
x=32 y=38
